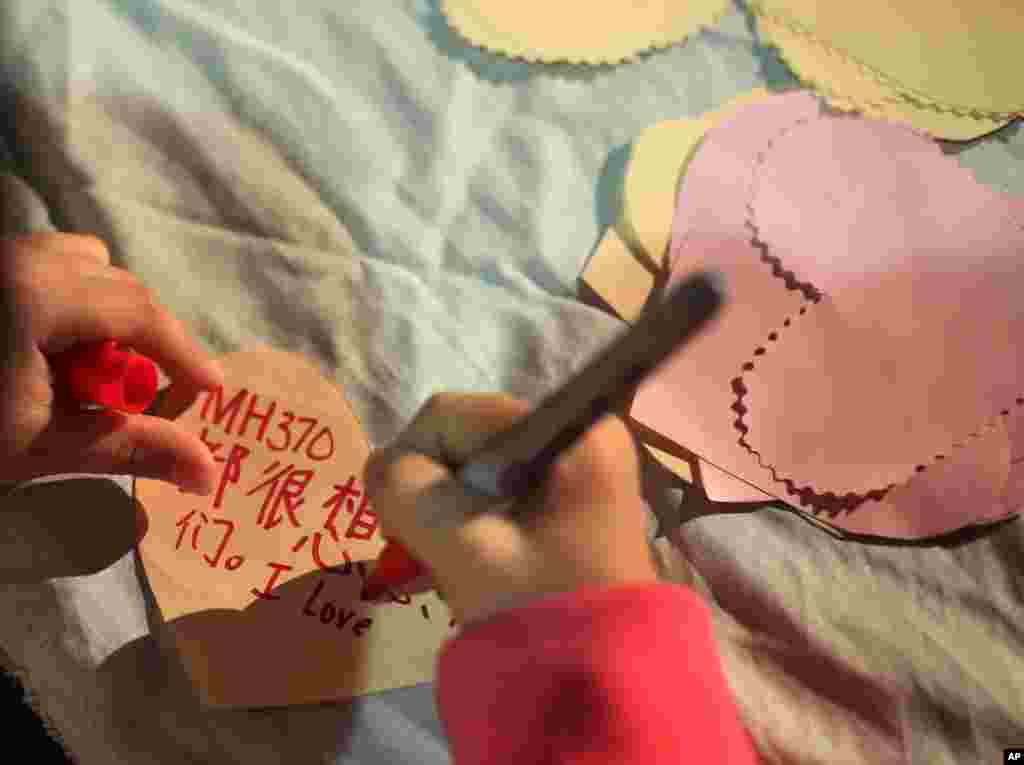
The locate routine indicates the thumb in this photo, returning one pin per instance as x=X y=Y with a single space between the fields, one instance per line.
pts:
x=114 y=443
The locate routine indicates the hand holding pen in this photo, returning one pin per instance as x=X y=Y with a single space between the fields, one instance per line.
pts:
x=505 y=503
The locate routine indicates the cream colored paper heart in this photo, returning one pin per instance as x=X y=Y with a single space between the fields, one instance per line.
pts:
x=260 y=583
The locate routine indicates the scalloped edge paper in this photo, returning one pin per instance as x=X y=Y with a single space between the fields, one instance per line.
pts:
x=847 y=88
x=576 y=32
x=907 y=513
x=651 y=183
x=943 y=172
x=790 y=15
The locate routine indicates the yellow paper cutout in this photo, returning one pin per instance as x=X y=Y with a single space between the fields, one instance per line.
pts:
x=676 y=465
x=656 y=164
x=963 y=56
x=848 y=88
x=618 y=278
x=574 y=31
x=290 y=495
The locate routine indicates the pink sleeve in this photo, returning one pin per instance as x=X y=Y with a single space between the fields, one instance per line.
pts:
x=600 y=675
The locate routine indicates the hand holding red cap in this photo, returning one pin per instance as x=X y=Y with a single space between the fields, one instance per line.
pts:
x=104 y=374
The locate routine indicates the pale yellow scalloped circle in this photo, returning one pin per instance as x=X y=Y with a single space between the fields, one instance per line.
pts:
x=848 y=88
x=604 y=32
x=962 y=54
x=652 y=178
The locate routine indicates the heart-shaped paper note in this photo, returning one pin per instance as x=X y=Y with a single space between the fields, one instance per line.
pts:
x=695 y=399
x=915 y=346
x=261 y=581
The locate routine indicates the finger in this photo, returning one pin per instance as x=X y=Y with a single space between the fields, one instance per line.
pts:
x=409 y=487
x=128 y=312
x=451 y=427
x=421 y=504
x=52 y=242
x=113 y=443
x=602 y=466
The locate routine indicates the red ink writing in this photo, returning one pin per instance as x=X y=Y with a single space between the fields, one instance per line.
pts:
x=318 y=559
x=287 y=492
x=288 y=427
x=232 y=469
x=233 y=562
x=220 y=409
x=364 y=521
x=264 y=418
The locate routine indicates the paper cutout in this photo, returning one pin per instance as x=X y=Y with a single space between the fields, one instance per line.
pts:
x=715 y=184
x=968 y=488
x=916 y=343
x=712 y=206
x=677 y=465
x=625 y=294
x=924 y=507
x=656 y=163
x=689 y=398
x=616 y=277
x=962 y=56
x=719 y=179
x=251 y=631
x=576 y=31
x=848 y=88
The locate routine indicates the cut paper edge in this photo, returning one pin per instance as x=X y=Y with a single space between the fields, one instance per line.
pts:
x=848 y=89
x=676 y=465
x=470 y=25
x=618 y=278
x=728 y=489
x=830 y=502
x=888 y=82
x=208 y=619
x=807 y=491
x=725 y=489
x=623 y=284
x=651 y=186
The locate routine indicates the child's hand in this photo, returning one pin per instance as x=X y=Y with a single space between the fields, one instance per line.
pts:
x=585 y=526
x=57 y=290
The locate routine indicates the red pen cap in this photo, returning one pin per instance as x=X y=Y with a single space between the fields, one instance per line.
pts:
x=395 y=567
x=103 y=374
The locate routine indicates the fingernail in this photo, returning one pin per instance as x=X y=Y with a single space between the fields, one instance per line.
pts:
x=167 y=467
x=192 y=484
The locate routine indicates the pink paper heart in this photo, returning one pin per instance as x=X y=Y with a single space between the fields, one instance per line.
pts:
x=914 y=347
x=688 y=400
x=691 y=400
